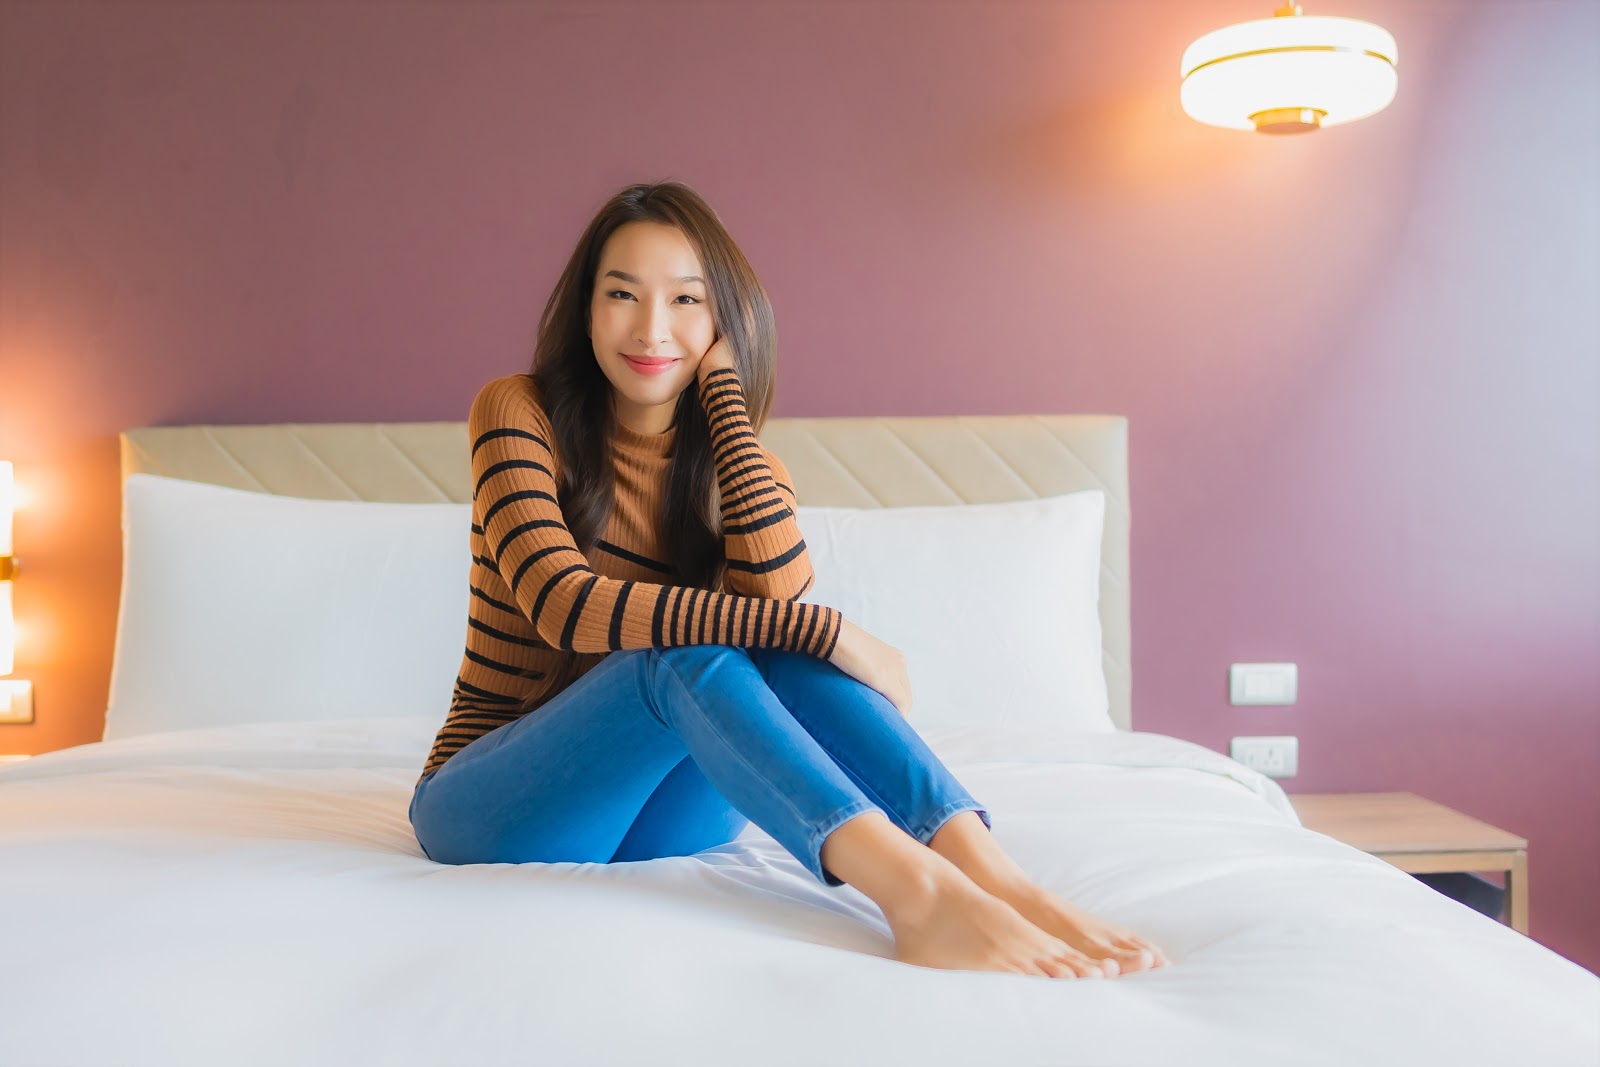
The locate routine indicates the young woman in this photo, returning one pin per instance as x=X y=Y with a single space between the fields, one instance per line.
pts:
x=636 y=577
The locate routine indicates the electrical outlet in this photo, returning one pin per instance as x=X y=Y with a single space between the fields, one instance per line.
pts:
x=1275 y=757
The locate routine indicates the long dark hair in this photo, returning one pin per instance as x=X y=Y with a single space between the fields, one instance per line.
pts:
x=577 y=396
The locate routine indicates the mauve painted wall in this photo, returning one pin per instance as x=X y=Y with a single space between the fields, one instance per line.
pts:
x=1360 y=367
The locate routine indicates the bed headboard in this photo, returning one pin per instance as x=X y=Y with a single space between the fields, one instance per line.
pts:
x=850 y=461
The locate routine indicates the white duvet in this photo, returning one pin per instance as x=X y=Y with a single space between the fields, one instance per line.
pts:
x=254 y=895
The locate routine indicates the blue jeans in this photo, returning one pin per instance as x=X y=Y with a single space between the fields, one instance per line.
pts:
x=668 y=751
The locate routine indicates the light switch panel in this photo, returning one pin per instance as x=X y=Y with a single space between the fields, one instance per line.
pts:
x=1263 y=683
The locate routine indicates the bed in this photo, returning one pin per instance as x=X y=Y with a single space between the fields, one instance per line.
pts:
x=229 y=877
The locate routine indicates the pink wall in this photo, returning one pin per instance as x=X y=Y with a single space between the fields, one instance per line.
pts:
x=1360 y=367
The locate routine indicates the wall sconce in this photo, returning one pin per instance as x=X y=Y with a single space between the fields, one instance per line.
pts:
x=16 y=697
x=1290 y=73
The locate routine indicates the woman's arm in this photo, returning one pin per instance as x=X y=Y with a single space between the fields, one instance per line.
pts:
x=766 y=554
x=515 y=508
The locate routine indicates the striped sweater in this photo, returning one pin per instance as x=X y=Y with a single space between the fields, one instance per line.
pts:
x=534 y=592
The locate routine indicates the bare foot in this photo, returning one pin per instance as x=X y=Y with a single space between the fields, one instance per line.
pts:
x=1118 y=948
x=958 y=926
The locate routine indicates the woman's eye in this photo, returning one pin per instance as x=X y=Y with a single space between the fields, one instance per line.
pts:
x=624 y=292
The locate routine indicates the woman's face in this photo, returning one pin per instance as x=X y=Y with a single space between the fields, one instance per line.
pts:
x=649 y=299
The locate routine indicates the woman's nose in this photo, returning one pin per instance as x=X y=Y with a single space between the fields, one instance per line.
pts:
x=652 y=327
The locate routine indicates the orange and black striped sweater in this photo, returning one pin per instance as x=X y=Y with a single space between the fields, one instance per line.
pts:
x=535 y=595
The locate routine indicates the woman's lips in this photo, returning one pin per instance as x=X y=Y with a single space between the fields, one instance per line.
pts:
x=649 y=368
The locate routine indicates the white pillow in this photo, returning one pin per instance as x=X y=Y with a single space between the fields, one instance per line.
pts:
x=242 y=607
x=996 y=607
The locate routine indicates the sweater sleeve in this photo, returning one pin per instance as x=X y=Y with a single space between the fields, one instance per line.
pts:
x=515 y=510
x=766 y=554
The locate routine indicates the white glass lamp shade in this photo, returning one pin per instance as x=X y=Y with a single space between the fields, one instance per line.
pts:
x=8 y=502
x=1290 y=73
x=8 y=632
x=8 y=626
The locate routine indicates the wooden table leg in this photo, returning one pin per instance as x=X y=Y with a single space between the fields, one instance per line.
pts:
x=1517 y=891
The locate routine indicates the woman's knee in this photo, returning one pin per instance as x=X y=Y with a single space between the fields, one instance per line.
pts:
x=786 y=667
x=698 y=654
x=692 y=667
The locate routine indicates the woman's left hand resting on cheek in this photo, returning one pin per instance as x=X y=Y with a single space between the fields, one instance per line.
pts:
x=717 y=357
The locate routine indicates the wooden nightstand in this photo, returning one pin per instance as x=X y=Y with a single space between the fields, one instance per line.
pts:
x=1421 y=837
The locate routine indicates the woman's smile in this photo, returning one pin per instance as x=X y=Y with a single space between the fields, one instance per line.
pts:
x=649 y=368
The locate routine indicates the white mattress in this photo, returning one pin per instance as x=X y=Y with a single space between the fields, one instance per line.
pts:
x=254 y=895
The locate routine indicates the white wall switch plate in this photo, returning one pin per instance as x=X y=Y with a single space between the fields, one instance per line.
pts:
x=1275 y=757
x=1263 y=683
x=16 y=701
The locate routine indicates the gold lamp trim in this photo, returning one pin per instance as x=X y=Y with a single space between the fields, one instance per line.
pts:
x=1283 y=49
x=1289 y=119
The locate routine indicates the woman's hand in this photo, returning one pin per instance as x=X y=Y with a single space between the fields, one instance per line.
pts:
x=874 y=663
x=717 y=357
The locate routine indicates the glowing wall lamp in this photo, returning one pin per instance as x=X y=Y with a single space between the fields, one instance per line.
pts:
x=16 y=697
x=1291 y=73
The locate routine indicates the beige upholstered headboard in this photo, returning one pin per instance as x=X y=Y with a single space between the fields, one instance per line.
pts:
x=856 y=461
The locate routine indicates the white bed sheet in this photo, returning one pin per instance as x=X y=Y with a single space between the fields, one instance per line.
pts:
x=254 y=895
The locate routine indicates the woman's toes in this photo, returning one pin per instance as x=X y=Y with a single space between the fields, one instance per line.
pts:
x=1137 y=952
x=1057 y=968
x=1111 y=958
x=1134 y=958
x=1082 y=965
x=1122 y=955
x=1157 y=957
x=1138 y=960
